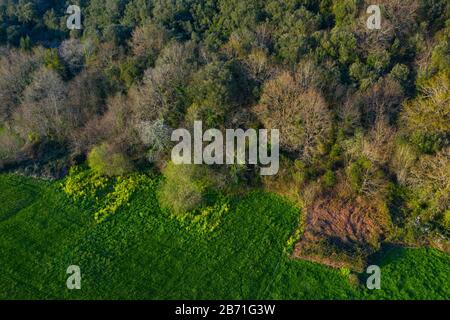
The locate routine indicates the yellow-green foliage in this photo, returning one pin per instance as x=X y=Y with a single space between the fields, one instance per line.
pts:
x=365 y=178
x=345 y=271
x=187 y=195
x=104 y=194
x=429 y=179
x=107 y=195
x=83 y=185
x=430 y=112
x=104 y=160
x=206 y=219
x=446 y=220
x=186 y=187
x=289 y=181
x=124 y=188
x=296 y=235
x=293 y=239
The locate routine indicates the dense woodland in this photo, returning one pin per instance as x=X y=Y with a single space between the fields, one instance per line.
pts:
x=364 y=115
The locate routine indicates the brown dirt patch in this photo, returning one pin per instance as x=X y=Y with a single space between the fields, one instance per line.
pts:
x=341 y=232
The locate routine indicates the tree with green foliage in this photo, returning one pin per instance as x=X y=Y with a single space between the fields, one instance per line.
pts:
x=213 y=92
x=104 y=160
x=187 y=187
x=430 y=112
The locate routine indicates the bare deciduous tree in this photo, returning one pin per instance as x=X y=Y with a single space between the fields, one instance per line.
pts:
x=160 y=91
x=44 y=111
x=86 y=95
x=155 y=136
x=73 y=53
x=258 y=65
x=378 y=145
x=381 y=102
x=402 y=161
x=398 y=18
x=302 y=116
x=148 y=40
x=16 y=68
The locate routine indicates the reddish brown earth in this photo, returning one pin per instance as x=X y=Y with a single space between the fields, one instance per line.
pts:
x=341 y=232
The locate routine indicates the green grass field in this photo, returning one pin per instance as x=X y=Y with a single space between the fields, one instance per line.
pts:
x=141 y=253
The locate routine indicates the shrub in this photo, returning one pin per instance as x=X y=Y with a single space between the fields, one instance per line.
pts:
x=186 y=187
x=104 y=160
x=290 y=179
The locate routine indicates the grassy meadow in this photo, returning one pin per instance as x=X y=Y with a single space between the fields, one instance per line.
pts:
x=142 y=253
